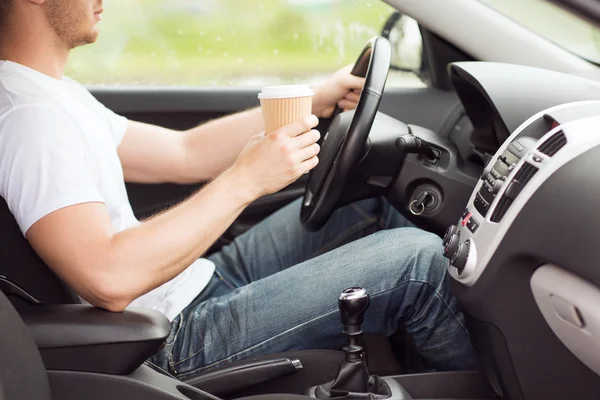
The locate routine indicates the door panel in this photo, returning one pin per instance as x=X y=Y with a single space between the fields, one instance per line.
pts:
x=183 y=108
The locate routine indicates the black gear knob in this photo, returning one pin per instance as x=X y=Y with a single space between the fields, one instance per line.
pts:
x=353 y=303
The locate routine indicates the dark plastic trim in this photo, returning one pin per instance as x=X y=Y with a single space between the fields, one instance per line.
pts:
x=227 y=381
x=85 y=338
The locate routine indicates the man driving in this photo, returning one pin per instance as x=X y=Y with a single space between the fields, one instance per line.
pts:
x=64 y=158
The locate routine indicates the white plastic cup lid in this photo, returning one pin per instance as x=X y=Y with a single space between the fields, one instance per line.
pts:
x=282 y=92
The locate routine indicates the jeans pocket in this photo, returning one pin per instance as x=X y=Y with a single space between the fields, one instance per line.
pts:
x=185 y=354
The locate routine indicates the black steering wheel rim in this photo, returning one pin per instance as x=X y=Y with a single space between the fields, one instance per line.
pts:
x=327 y=180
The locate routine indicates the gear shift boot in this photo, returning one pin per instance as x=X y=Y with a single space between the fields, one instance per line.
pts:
x=378 y=389
x=353 y=381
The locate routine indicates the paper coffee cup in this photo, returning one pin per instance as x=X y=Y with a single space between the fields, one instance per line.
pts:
x=282 y=105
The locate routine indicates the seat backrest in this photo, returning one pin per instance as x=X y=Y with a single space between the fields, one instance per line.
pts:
x=22 y=267
x=22 y=372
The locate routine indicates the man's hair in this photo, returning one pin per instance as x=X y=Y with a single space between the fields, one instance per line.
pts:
x=5 y=6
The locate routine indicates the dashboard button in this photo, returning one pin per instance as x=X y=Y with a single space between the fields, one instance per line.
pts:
x=497 y=186
x=472 y=224
x=481 y=205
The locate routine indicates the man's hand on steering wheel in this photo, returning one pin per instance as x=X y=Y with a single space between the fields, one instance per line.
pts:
x=341 y=90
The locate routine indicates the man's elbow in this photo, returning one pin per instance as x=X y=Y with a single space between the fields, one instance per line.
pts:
x=110 y=296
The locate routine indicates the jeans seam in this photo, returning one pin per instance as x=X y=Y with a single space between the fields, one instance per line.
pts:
x=448 y=306
x=170 y=356
x=189 y=357
x=406 y=282
x=222 y=278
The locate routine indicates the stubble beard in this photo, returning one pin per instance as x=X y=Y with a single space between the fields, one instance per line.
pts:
x=68 y=23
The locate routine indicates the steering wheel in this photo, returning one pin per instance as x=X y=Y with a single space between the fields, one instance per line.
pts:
x=344 y=142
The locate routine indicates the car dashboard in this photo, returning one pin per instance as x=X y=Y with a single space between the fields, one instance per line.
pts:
x=522 y=254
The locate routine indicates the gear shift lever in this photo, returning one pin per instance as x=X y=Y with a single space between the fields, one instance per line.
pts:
x=353 y=375
x=352 y=304
x=353 y=381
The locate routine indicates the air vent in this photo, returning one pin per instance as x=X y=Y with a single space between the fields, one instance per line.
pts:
x=551 y=146
x=524 y=175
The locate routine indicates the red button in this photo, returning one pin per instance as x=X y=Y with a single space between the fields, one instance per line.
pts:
x=464 y=222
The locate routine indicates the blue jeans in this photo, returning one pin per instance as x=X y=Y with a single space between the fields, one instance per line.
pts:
x=276 y=288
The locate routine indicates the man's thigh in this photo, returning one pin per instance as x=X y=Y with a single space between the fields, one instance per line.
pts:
x=403 y=271
x=280 y=241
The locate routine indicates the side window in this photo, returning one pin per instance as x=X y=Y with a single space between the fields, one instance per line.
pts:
x=229 y=42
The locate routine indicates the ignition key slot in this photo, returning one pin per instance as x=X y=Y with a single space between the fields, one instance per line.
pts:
x=426 y=200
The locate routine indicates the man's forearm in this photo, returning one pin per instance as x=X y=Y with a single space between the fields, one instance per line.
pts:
x=216 y=144
x=159 y=249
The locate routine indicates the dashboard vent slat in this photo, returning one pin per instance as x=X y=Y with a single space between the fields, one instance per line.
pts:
x=551 y=146
x=522 y=177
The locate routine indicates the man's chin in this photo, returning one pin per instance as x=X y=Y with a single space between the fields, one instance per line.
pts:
x=90 y=38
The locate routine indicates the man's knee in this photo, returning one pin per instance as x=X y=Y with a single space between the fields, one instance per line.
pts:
x=414 y=251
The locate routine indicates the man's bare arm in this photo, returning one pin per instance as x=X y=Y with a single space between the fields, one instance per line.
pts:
x=110 y=270
x=152 y=154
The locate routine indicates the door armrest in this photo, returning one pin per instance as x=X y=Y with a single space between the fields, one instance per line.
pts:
x=78 y=337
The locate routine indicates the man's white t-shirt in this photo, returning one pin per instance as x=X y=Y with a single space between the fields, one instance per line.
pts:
x=58 y=148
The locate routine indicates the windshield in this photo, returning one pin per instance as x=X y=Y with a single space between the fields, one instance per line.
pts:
x=553 y=23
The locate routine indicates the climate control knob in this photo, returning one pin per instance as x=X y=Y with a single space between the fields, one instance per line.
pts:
x=449 y=232
x=451 y=247
x=459 y=260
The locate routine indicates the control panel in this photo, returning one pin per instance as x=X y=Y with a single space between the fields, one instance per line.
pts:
x=533 y=152
x=494 y=178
